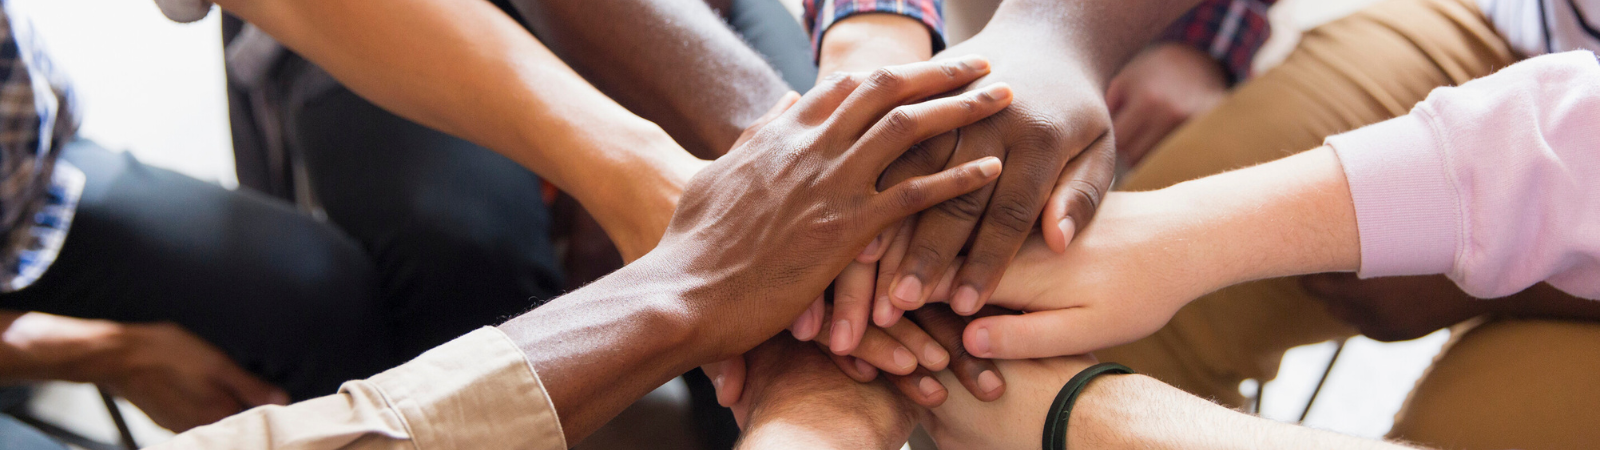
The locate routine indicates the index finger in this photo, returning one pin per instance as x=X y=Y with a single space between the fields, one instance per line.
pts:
x=893 y=86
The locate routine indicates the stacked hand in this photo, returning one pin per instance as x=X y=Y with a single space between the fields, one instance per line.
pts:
x=1056 y=139
x=817 y=162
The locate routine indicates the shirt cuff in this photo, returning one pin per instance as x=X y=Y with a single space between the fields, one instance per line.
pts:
x=477 y=391
x=1408 y=212
x=830 y=12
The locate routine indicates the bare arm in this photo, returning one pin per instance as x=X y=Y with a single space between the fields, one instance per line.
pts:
x=1114 y=411
x=674 y=62
x=469 y=70
x=1135 y=411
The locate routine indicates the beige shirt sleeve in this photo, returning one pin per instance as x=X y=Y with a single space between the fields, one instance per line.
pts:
x=475 y=392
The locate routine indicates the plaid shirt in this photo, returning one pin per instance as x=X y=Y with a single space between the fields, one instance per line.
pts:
x=1231 y=31
x=822 y=14
x=38 y=195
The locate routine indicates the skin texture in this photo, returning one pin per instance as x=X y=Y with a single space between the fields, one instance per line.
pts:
x=469 y=70
x=934 y=329
x=1148 y=254
x=753 y=243
x=1404 y=308
x=674 y=62
x=797 y=399
x=1059 y=57
x=1114 y=411
x=176 y=378
x=1158 y=91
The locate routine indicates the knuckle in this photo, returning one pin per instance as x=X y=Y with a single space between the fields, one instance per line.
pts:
x=921 y=255
x=913 y=195
x=901 y=122
x=1012 y=215
x=1084 y=194
x=886 y=79
x=967 y=207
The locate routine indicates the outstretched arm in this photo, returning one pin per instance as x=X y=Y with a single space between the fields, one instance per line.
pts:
x=467 y=69
x=1490 y=183
x=1115 y=411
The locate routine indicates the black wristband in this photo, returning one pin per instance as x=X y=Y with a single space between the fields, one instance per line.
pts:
x=1055 y=423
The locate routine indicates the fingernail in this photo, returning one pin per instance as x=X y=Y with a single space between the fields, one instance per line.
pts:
x=717 y=382
x=1068 y=228
x=909 y=290
x=866 y=370
x=966 y=301
x=996 y=92
x=803 y=325
x=975 y=62
x=880 y=311
x=929 y=387
x=988 y=381
x=989 y=166
x=979 y=345
x=872 y=248
x=934 y=354
x=904 y=360
x=841 y=335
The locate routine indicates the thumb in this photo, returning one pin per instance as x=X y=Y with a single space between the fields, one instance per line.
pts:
x=727 y=376
x=1044 y=334
x=1078 y=192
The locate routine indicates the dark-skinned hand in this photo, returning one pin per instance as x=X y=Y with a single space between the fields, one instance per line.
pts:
x=1056 y=141
x=790 y=205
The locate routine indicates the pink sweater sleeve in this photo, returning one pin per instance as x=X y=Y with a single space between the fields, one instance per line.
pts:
x=1495 y=183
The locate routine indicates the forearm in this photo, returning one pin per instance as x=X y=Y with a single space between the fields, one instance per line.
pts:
x=865 y=42
x=600 y=348
x=36 y=346
x=467 y=69
x=673 y=62
x=1135 y=411
x=1288 y=217
x=1101 y=34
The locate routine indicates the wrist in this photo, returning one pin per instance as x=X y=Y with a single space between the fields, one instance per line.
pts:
x=100 y=353
x=633 y=196
x=1115 y=410
x=865 y=42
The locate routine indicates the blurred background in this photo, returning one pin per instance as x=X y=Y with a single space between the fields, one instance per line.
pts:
x=156 y=89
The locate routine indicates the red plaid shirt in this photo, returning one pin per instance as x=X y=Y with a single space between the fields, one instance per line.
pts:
x=1231 y=31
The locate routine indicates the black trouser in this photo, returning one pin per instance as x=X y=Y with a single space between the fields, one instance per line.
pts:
x=289 y=298
x=460 y=234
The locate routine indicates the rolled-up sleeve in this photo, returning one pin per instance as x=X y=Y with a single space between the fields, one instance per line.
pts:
x=475 y=392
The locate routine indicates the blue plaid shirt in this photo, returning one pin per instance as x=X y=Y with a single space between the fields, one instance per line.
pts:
x=38 y=194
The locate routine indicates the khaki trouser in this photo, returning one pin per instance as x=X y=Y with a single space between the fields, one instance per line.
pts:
x=1523 y=384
